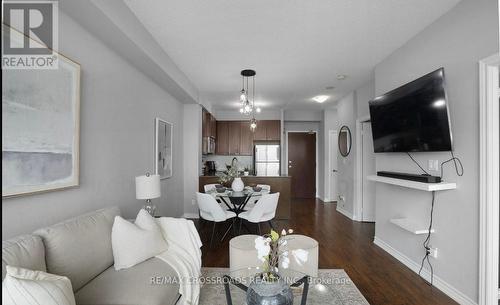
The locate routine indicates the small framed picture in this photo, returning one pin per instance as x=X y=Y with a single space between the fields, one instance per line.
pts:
x=163 y=148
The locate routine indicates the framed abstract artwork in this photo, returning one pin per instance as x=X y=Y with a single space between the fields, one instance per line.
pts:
x=163 y=148
x=40 y=129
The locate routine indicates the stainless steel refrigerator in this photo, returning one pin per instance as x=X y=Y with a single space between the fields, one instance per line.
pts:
x=267 y=159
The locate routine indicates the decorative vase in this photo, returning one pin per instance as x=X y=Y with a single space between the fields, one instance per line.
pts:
x=262 y=292
x=237 y=185
x=246 y=173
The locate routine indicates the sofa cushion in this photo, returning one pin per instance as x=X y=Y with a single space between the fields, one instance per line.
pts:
x=24 y=286
x=144 y=284
x=136 y=242
x=80 y=248
x=25 y=251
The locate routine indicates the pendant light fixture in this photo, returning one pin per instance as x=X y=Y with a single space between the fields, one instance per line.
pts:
x=247 y=107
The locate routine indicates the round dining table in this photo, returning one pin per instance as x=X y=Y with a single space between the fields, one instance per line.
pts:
x=236 y=201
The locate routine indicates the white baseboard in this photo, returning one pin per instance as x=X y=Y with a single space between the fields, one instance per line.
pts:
x=190 y=215
x=439 y=283
x=344 y=212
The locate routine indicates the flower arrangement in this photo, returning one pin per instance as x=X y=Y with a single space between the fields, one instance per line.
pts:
x=271 y=250
x=232 y=172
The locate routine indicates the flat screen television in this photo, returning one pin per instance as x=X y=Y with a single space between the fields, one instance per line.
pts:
x=413 y=117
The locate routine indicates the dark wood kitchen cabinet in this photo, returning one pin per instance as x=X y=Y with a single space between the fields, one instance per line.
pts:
x=268 y=131
x=273 y=130
x=234 y=137
x=213 y=126
x=246 y=139
x=208 y=125
x=222 y=143
x=260 y=132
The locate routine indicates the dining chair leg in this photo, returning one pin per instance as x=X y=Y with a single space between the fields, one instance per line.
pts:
x=213 y=233
x=234 y=226
x=271 y=224
x=239 y=230
x=260 y=232
x=227 y=231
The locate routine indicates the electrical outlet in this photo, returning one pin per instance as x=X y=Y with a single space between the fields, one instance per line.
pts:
x=433 y=165
x=433 y=252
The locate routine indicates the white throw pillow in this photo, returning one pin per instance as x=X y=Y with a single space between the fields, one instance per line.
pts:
x=136 y=242
x=28 y=287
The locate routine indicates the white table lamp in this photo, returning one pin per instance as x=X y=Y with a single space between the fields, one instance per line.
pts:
x=148 y=187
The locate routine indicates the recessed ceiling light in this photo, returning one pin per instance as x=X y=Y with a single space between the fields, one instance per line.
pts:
x=330 y=88
x=341 y=76
x=320 y=98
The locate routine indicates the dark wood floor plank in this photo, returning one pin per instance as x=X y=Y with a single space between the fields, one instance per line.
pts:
x=344 y=244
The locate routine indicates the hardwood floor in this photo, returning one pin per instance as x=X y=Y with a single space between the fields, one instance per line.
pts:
x=348 y=245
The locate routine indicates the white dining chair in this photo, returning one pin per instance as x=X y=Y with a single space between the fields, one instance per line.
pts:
x=209 y=187
x=212 y=187
x=210 y=210
x=266 y=188
x=264 y=211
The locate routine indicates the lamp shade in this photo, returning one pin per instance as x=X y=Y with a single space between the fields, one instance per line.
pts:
x=147 y=187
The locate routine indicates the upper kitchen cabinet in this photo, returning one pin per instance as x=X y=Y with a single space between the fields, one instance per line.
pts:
x=260 y=132
x=213 y=126
x=222 y=143
x=246 y=139
x=273 y=130
x=234 y=137
x=268 y=131
x=209 y=125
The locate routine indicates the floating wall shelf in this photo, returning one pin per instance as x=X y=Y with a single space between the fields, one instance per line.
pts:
x=411 y=226
x=429 y=187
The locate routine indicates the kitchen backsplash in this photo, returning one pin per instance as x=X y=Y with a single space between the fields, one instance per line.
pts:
x=221 y=161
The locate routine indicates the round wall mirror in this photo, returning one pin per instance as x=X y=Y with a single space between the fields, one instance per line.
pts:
x=345 y=141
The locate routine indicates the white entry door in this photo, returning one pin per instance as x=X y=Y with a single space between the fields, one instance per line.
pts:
x=368 y=165
x=332 y=161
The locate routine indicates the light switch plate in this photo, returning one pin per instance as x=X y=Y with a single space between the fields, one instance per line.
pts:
x=433 y=165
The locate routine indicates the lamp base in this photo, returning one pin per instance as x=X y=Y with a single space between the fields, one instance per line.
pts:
x=150 y=208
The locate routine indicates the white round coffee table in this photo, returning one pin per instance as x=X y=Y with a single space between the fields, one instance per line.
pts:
x=242 y=253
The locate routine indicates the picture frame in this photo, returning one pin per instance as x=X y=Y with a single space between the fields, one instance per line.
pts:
x=36 y=157
x=163 y=148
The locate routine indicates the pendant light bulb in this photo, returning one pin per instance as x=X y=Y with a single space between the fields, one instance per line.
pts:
x=243 y=96
x=253 y=124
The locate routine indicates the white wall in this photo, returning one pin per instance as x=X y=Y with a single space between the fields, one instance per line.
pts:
x=346 y=111
x=192 y=163
x=329 y=123
x=118 y=107
x=456 y=41
x=364 y=94
x=303 y=115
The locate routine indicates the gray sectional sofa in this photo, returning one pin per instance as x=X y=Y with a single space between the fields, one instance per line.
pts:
x=80 y=248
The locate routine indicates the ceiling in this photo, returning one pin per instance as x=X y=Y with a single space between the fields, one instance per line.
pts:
x=297 y=47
